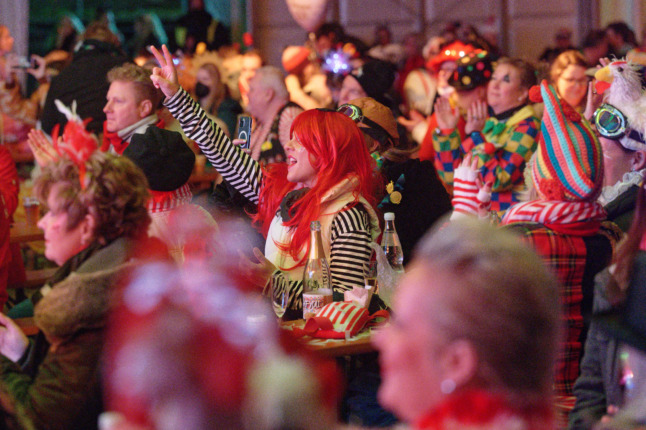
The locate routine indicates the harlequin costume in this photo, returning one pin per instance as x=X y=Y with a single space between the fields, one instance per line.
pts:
x=502 y=148
x=473 y=70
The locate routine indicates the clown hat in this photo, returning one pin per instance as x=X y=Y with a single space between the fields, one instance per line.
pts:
x=473 y=70
x=569 y=164
x=451 y=52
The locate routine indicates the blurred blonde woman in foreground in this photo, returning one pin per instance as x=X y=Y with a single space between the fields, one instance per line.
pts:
x=474 y=335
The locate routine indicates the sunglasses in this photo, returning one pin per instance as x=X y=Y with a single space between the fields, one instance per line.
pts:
x=375 y=130
x=611 y=123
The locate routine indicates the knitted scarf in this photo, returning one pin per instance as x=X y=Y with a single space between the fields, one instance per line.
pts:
x=571 y=218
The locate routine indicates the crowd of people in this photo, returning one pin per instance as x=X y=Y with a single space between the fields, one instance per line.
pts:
x=518 y=195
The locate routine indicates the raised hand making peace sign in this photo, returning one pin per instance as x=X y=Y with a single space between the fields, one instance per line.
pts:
x=165 y=76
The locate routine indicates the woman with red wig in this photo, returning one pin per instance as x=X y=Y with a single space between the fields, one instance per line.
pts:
x=328 y=177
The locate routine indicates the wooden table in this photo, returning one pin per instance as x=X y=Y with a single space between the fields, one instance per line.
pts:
x=359 y=344
x=23 y=232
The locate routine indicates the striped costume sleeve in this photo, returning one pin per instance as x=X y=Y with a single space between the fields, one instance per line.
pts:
x=350 y=250
x=236 y=166
x=504 y=168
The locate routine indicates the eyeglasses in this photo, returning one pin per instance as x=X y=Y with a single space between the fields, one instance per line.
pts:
x=356 y=114
x=573 y=81
x=611 y=123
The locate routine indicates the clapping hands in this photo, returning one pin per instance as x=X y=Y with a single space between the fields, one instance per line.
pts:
x=41 y=147
x=476 y=117
x=470 y=195
x=447 y=117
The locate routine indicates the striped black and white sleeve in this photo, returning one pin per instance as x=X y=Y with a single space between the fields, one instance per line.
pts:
x=236 y=166
x=350 y=250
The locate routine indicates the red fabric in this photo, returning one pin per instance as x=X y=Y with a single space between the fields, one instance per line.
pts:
x=475 y=409
x=119 y=145
x=161 y=201
x=333 y=320
x=426 y=151
x=8 y=203
x=465 y=196
x=570 y=218
x=112 y=138
x=412 y=63
x=566 y=256
x=489 y=148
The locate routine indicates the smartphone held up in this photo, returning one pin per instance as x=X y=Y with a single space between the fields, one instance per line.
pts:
x=244 y=130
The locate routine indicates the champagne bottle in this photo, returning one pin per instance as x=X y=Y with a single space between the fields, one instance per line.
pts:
x=317 y=283
x=391 y=245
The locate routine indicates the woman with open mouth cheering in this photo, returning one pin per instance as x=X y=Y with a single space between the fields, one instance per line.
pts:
x=328 y=177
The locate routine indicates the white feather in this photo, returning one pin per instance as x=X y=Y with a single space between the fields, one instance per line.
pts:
x=70 y=114
x=627 y=95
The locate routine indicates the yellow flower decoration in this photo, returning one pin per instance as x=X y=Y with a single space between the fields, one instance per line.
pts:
x=266 y=146
x=390 y=187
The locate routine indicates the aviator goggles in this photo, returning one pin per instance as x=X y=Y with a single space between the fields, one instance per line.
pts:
x=374 y=130
x=611 y=123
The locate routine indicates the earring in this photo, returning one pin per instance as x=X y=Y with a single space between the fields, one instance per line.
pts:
x=447 y=386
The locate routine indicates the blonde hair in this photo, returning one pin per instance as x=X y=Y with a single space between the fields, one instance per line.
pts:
x=219 y=92
x=272 y=77
x=503 y=301
x=565 y=59
x=140 y=77
x=116 y=194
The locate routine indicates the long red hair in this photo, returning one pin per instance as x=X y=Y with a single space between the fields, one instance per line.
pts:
x=337 y=151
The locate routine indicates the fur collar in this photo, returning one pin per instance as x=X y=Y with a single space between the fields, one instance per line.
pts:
x=81 y=301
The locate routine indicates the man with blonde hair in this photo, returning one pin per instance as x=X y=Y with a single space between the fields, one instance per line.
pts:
x=131 y=106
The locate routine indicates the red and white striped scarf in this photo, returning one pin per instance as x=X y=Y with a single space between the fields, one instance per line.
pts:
x=166 y=200
x=574 y=218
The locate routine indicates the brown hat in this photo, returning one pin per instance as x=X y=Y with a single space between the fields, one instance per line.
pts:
x=377 y=113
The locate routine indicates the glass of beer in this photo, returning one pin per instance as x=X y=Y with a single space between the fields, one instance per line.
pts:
x=32 y=210
x=370 y=275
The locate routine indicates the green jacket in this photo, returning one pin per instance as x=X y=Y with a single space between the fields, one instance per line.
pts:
x=60 y=387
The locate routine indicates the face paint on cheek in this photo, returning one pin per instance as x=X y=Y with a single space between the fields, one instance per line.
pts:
x=297 y=145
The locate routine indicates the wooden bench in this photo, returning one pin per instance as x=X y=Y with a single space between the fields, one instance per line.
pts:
x=35 y=278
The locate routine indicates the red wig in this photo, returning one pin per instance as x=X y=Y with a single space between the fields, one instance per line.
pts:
x=337 y=151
